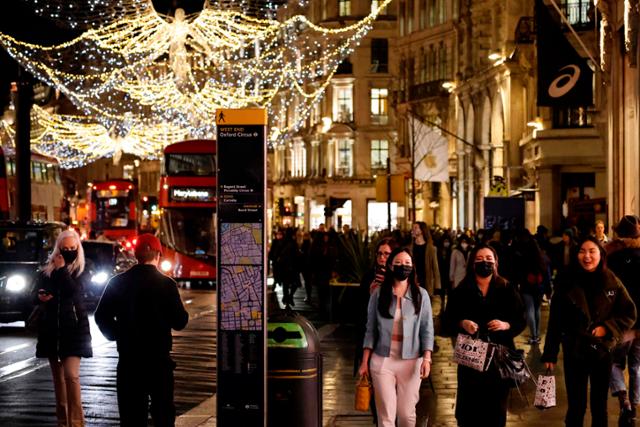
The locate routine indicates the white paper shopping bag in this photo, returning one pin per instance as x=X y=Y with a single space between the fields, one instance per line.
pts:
x=545 y=392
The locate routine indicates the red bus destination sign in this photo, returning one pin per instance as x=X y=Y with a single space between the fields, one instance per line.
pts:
x=197 y=195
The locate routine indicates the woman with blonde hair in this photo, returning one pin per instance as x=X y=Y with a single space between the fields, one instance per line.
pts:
x=63 y=328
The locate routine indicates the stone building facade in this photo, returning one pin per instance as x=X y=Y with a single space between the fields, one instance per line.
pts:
x=348 y=138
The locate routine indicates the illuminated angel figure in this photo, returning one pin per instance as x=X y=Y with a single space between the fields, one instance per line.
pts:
x=178 y=70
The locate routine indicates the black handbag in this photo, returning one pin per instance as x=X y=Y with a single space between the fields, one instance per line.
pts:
x=511 y=365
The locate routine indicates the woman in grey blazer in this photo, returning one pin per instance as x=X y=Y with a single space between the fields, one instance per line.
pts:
x=399 y=341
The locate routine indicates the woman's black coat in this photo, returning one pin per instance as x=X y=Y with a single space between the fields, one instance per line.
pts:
x=502 y=302
x=573 y=317
x=483 y=395
x=63 y=329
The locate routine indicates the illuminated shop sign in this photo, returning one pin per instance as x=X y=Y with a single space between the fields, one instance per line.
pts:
x=199 y=195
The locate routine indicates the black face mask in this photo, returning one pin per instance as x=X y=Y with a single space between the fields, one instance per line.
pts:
x=483 y=268
x=402 y=272
x=69 y=256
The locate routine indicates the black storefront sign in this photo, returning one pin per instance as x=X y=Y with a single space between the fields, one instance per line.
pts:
x=241 y=355
x=504 y=213
x=564 y=78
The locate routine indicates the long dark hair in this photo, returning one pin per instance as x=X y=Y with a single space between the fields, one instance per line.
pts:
x=386 y=289
x=426 y=233
x=602 y=266
x=471 y=274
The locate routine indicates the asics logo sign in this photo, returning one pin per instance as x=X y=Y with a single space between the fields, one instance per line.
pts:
x=564 y=82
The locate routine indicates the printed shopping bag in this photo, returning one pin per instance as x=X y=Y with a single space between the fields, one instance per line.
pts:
x=545 y=392
x=472 y=352
x=363 y=394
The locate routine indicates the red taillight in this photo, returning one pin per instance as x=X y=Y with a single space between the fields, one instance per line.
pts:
x=134 y=241
x=128 y=245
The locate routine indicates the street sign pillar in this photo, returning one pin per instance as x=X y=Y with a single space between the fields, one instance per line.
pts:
x=241 y=267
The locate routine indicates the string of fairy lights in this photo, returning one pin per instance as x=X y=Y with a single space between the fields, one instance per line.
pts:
x=142 y=80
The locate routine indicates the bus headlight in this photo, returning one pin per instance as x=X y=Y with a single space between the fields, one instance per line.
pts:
x=165 y=265
x=99 y=278
x=16 y=283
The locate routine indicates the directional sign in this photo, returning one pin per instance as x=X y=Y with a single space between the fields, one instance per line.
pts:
x=241 y=393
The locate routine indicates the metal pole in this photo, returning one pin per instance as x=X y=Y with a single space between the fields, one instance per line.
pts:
x=413 y=171
x=23 y=103
x=389 y=193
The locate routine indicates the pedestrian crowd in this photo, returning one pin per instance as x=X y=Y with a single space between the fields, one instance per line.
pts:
x=491 y=285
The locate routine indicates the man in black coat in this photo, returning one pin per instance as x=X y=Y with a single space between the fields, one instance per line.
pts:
x=623 y=258
x=138 y=309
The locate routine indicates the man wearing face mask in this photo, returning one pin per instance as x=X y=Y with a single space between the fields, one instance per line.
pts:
x=487 y=306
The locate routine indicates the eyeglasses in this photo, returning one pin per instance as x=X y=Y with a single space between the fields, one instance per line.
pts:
x=383 y=253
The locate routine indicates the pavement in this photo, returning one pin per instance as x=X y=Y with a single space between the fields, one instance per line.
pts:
x=437 y=405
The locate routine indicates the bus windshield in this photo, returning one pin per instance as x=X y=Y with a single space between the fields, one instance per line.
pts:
x=190 y=231
x=190 y=164
x=112 y=212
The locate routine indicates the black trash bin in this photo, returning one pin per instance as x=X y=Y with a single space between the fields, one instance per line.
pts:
x=294 y=379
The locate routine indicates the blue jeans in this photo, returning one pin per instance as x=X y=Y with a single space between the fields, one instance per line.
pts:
x=627 y=351
x=532 y=310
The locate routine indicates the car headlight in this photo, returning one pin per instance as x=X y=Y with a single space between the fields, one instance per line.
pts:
x=16 y=283
x=165 y=265
x=99 y=278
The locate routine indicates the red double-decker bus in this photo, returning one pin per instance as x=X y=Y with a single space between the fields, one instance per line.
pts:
x=46 y=186
x=187 y=200
x=113 y=210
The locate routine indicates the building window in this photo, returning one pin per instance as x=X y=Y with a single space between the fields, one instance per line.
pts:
x=343 y=104
x=128 y=172
x=377 y=219
x=315 y=158
x=344 y=156
x=423 y=14
x=379 y=56
x=423 y=66
x=442 y=62
x=379 y=106
x=442 y=11
x=410 y=10
x=431 y=64
x=576 y=11
x=379 y=153
x=299 y=159
x=280 y=162
x=375 y=4
x=344 y=7
x=402 y=13
x=431 y=12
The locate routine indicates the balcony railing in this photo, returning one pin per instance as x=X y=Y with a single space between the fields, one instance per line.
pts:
x=379 y=119
x=578 y=13
x=426 y=90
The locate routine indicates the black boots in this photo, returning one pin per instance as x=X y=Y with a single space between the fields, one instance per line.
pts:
x=627 y=411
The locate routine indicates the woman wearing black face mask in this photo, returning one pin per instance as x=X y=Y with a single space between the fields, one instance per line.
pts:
x=399 y=341
x=483 y=304
x=63 y=329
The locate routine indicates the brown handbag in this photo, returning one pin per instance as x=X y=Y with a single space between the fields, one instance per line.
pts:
x=363 y=393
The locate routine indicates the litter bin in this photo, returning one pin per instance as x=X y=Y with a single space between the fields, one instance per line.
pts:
x=294 y=379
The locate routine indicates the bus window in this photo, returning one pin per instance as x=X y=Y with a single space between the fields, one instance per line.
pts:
x=190 y=164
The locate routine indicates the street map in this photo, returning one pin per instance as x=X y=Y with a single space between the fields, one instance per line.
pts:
x=241 y=278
